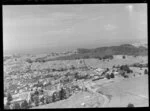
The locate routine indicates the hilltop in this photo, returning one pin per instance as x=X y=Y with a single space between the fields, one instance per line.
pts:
x=125 y=49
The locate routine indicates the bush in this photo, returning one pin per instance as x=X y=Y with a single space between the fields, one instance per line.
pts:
x=99 y=58
x=48 y=99
x=16 y=106
x=108 y=57
x=6 y=106
x=31 y=97
x=24 y=105
x=125 y=68
x=108 y=76
x=112 y=75
x=62 y=94
x=130 y=105
x=29 y=60
x=145 y=71
x=123 y=56
x=72 y=67
x=56 y=96
x=30 y=104
x=36 y=100
x=53 y=70
x=9 y=97
x=114 y=66
x=36 y=92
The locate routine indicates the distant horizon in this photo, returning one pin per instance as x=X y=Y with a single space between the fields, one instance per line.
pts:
x=59 y=28
x=48 y=50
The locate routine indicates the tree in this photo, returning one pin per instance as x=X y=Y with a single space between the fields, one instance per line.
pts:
x=16 y=106
x=145 y=71
x=29 y=60
x=108 y=76
x=36 y=92
x=114 y=66
x=131 y=71
x=9 y=97
x=99 y=58
x=30 y=103
x=46 y=100
x=31 y=97
x=42 y=99
x=36 y=100
x=24 y=105
x=57 y=94
x=6 y=106
x=50 y=99
x=130 y=105
x=123 y=56
x=112 y=75
x=125 y=68
x=61 y=94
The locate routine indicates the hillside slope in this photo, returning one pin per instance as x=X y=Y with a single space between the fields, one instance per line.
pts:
x=125 y=49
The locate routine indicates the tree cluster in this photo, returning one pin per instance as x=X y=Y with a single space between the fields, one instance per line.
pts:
x=126 y=68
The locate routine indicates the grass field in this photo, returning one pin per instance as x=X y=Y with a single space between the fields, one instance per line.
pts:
x=116 y=61
x=134 y=90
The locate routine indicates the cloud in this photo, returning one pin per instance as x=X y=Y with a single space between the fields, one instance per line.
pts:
x=109 y=27
x=97 y=18
x=60 y=32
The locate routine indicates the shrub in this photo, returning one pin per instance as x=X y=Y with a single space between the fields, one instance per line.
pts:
x=16 y=106
x=108 y=76
x=126 y=76
x=48 y=99
x=123 y=56
x=131 y=71
x=53 y=70
x=57 y=96
x=9 y=97
x=42 y=99
x=6 y=106
x=61 y=94
x=130 y=105
x=30 y=104
x=112 y=75
x=29 y=60
x=108 y=57
x=36 y=100
x=99 y=58
x=31 y=97
x=24 y=105
x=72 y=67
x=125 y=68
x=54 y=97
x=36 y=92
x=113 y=66
x=145 y=71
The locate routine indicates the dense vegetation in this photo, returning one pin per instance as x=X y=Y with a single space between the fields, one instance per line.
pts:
x=104 y=52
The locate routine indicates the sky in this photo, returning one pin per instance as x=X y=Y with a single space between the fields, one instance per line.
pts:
x=34 y=28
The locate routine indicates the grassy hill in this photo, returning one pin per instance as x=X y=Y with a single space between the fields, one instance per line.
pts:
x=125 y=49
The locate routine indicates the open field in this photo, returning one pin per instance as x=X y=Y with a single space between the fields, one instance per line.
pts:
x=116 y=61
x=134 y=90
